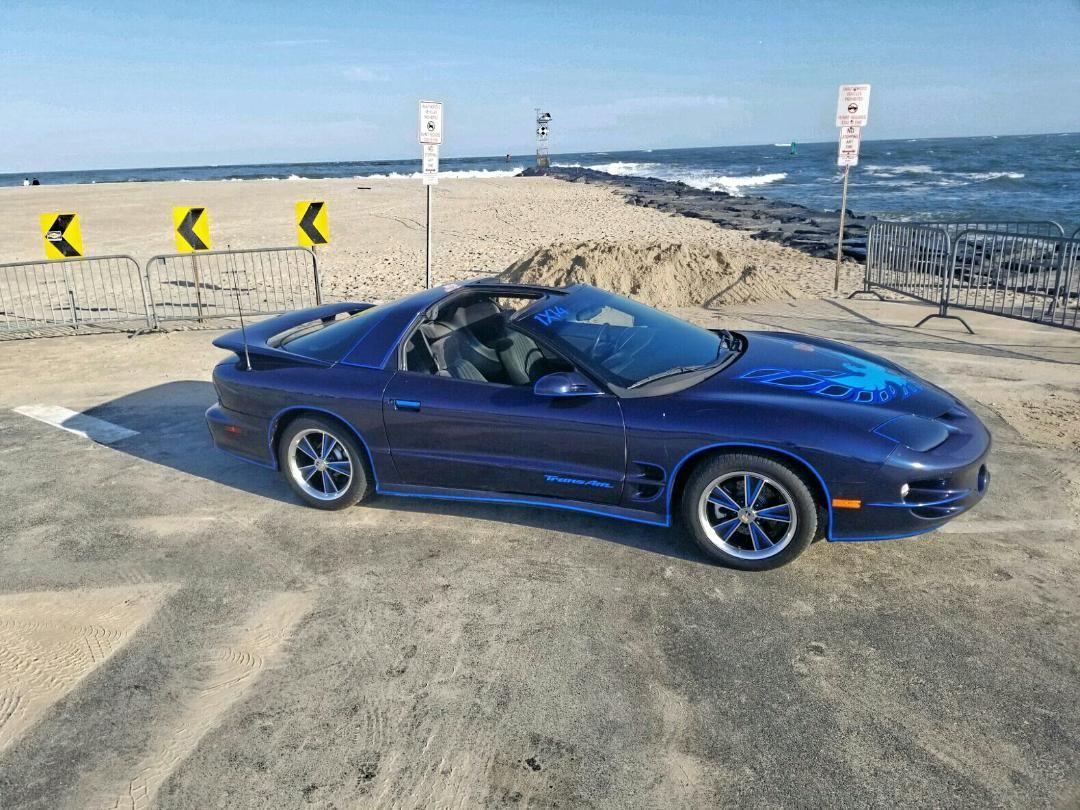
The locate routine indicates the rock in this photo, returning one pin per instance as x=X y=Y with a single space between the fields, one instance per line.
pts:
x=797 y=226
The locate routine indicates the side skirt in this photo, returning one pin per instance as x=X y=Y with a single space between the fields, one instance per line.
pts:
x=483 y=496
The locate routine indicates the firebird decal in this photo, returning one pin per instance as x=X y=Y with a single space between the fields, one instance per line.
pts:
x=857 y=381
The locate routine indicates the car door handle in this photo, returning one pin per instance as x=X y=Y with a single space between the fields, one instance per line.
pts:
x=406 y=404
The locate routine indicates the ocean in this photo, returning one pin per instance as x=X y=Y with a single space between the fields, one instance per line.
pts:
x=1006 y=177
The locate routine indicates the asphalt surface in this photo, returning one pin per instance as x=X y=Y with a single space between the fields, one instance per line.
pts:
x=251 y=652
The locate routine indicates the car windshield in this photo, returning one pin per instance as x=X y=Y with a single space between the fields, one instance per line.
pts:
x=626 y=343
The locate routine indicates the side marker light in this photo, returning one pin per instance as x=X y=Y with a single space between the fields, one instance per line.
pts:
x=846 y=503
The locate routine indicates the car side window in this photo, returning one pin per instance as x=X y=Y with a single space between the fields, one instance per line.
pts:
x=473 y=340
x=418 y=356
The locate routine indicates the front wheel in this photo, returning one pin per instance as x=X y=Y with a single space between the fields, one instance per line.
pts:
x=749 y=511
x=323 y=463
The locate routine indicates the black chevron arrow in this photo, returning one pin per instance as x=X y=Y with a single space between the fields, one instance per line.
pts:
x=186 y=228
x=59 y=243
x=307 y=224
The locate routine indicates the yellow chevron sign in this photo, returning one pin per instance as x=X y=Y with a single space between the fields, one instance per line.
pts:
x=62 y=236
x=312 y=226
x=192 y=229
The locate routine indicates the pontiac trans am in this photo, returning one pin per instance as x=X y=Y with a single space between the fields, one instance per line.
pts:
x=758 y=443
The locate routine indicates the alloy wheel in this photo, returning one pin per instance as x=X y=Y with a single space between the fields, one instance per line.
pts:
x=747 y=515
x=320 y=464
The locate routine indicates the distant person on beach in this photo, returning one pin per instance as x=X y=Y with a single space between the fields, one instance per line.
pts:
x=507 y=157
x=26 y=181
x=35 y=182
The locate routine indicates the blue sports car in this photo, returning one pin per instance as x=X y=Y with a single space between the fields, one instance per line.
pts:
x=580 y=399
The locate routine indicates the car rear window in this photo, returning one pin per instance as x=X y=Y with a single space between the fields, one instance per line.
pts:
x=331 y=341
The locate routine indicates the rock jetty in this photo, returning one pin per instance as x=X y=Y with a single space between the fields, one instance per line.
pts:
x=796 y=226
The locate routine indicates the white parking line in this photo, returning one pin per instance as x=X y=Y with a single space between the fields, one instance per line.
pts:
x=980 y=526
x=89 y=427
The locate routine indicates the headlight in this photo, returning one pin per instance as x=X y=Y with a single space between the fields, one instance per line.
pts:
x=914 y=432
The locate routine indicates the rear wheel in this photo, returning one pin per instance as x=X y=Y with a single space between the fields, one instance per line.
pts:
x=749 y=511
x=323 y=463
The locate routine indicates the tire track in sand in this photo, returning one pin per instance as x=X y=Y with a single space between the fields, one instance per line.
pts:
x=51 y=640
x=230 y=672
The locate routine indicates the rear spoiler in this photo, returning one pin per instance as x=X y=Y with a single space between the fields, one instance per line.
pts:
x=258 y=334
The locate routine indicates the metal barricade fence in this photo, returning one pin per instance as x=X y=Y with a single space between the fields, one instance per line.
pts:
x=222 y=283
x=90 y=290
x=1045 y=227
x=1033 y=278
x=909 y=259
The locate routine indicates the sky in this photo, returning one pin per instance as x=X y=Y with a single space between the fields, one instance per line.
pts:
x=119 y=84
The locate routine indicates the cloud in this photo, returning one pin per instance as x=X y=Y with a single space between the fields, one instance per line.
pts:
x=359 y=73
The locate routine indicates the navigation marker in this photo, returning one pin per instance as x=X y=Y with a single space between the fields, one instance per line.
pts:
x=192 y=229
x=312 y=227
x=62 y=236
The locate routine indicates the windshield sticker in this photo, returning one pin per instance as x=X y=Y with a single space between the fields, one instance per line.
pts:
x=551 y=314
x=857 y=381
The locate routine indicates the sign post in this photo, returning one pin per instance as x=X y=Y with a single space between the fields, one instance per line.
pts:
x=430 y=136
x=191 y=229
x=430 y=174
x=852 y=111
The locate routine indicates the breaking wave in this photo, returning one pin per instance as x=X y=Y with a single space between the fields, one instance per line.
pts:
x=732 y=185
x=941 y=178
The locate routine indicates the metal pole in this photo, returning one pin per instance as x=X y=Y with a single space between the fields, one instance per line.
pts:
x=840 y=240
x=198 y=284
x=315 y=270
x=427 y=255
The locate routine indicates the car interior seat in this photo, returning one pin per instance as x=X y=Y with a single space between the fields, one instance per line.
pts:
x=476 y=328
x=522 y=359
x=472 y=341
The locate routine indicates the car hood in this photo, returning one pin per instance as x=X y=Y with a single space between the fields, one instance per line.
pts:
x=820 y=376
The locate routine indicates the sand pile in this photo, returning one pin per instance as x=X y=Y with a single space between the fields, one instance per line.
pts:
x=666 y=275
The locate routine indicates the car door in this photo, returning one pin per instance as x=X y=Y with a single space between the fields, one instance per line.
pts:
x=470 y=435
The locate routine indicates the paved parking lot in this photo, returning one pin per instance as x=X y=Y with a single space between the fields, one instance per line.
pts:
x=176 y=629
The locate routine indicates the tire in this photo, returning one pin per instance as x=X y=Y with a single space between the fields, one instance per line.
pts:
x=336 y=482
x=776 y=526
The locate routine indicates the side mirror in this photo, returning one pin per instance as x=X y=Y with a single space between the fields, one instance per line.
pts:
x=565 y=384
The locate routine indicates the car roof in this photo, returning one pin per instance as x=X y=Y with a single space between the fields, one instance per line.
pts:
x=374 y=347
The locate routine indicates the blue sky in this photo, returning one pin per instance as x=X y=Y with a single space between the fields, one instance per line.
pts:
x=100 y=84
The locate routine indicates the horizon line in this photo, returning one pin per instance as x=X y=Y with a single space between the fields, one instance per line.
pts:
x=528 y=154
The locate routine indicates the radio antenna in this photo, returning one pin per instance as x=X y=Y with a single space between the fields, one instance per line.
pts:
x=239 y=307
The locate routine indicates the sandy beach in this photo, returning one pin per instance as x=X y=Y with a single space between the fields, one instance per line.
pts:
x=543 y=226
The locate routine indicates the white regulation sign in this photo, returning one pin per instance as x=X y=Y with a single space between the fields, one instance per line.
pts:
x=853 y=106
x=849 y=146
x=431 y=164
x=430 y=122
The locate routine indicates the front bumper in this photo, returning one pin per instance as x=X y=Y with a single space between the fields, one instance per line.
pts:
x=914 y=493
